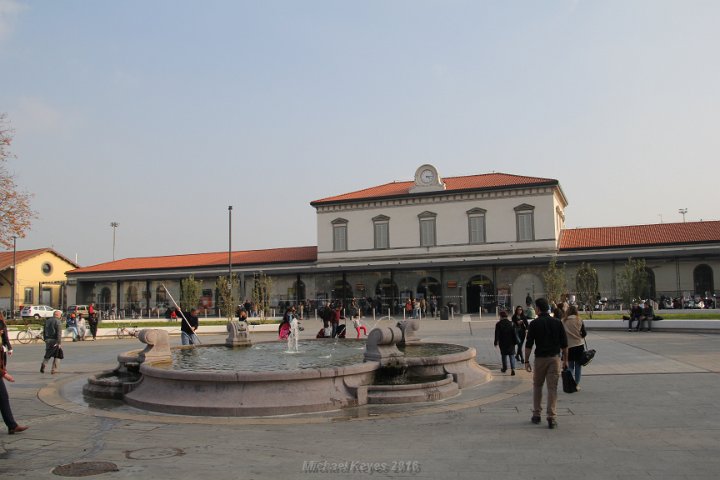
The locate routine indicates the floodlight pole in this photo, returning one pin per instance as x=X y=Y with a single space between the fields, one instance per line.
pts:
x=114 y=225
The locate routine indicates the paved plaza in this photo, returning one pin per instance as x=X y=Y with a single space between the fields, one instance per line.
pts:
x=647 y=410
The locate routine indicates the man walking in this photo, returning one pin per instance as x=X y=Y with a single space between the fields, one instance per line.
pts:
x=52 y=333
x=548 y=336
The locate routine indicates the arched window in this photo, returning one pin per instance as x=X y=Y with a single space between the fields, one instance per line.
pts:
x=650 y=290
x=703 y=280
x=160 y=297
x=342 y=291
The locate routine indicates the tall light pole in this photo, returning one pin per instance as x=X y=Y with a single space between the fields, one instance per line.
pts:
x=12 y=287
x=230 y=302
x=114 y=225
x=683 y=211
x=230 y=244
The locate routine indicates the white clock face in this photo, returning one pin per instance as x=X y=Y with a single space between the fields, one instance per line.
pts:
x=427 y=176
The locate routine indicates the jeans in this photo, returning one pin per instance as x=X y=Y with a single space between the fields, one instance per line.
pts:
x=576 y=368
x=512 y=361
x=187 y=338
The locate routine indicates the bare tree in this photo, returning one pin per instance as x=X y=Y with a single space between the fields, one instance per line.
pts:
x=15 y=211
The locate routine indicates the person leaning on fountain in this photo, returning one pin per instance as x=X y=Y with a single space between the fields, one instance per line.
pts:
x=189 y=325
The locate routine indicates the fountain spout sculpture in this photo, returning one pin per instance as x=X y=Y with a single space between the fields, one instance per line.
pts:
x=381 y=346
x=237 y=334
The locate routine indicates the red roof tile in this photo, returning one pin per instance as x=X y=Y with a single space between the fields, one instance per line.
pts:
x=473 y=182
x=640 y=235
x=6 y=258
x=250 y=257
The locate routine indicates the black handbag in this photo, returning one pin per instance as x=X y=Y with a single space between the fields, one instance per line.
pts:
x=568 y=381
x=587 y=355
x=58 y=352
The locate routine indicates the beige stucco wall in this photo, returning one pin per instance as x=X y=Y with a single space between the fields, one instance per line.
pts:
x=30 y=275
x=451 y=225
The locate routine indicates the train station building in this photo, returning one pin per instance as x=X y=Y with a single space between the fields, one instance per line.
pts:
x=473 y=241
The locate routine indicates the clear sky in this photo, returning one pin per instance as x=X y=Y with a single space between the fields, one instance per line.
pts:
x=158 y=114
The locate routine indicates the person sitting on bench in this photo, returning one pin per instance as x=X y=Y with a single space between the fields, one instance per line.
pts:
x=648 y=315
x=635 y=314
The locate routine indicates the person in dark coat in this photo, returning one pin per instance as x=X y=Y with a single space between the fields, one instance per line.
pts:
x=505 y=339
x=520 y=323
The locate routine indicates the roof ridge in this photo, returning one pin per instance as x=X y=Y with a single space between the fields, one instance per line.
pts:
x=644 y=225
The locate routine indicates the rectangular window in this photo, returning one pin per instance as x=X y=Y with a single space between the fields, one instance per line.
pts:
x=340 y=238
x=28 y=295
x=382 y=235
x=525 y=228
x=477 y=228
x=427 y=232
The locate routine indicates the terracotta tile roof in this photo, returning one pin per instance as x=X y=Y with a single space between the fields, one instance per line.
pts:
x=640 y=235
x=487 y=181
x=250 y=257
x=6 y=258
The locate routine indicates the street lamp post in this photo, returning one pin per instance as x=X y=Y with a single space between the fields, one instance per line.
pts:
x=12 y=287
x=229 y=242
x=229 y=306
x=114 y=225
x=683 y=211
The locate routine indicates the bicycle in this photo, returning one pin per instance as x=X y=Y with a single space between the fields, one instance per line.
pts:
x=131 y=331
x=29 y=335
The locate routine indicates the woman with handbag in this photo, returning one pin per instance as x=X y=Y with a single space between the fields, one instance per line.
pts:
x=575 y=331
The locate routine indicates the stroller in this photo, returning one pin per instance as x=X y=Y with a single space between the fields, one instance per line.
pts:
x=326 y=334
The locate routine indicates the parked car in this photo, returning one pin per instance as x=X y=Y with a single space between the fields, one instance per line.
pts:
x=78 y=309
x=37 y=311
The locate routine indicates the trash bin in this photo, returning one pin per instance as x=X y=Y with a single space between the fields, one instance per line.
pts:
x=444 y=313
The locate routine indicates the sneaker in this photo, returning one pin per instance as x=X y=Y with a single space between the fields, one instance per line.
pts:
x=503 y=370
x=551 y=423
x=42 y=368
x=512 y=372
x=535 y=420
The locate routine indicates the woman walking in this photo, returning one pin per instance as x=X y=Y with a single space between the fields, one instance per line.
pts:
x=575 y=330
x=520 y=323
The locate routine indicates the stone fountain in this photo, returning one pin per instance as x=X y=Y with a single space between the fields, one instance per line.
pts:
x=393 y=366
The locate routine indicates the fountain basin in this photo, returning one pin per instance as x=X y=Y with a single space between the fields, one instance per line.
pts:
x=225 y=393
x=306 y=390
